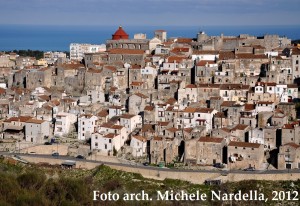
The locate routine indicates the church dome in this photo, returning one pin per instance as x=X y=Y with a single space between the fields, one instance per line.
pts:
x=120 y=34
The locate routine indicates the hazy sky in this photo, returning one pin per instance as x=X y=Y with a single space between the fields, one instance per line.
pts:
x=150 y=12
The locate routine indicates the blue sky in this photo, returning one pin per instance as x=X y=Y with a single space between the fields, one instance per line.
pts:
x=150 y=12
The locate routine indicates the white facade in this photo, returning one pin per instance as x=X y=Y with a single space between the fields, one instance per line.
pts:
x=149 y=70
x=130 y=122
x=77 y=50
x=86 y=126
x=51 y=57
x=36 y=130
x=138 y=145
x=63 y=123
x=265 y=107
x=206 y=57
x=115 y=111
x=108 y=137
x=105 y=144
x=256 y=135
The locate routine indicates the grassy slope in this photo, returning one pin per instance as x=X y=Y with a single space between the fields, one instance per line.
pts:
x=33 y=185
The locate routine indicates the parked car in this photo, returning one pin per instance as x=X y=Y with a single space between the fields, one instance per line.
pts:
x=249 y=169
x=146 y=164
x=47 y=143
x=55 y=154
x=218 y=165
x=80 y=157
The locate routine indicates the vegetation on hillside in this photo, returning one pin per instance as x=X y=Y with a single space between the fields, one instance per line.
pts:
x=36 y=185
x=297 y=41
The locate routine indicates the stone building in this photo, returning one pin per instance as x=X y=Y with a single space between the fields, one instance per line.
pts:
x=243 y=155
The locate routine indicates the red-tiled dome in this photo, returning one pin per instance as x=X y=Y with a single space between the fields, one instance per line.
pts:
x=120 y=34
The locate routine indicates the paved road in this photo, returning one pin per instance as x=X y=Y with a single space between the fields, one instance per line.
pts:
x=61 y=157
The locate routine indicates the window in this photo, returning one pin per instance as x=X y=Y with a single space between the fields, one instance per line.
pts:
x=109 y=140
x=105 y=146
x=96 y=144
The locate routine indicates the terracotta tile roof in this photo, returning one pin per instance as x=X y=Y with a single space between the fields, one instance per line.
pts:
x=135 y=66
x=148 y=108
x=173 y=129
x=111 y=68
x=292 y=144
x=110 y=135
x=265 y=102
x=190 y=110
x=35 y=121
x=228 y=103
x=136 y=83
x=249 y=107
x=148 y=128
x=220 y=115
x=191 y=86
x=18 y=119
x=204 y=110
x=156 y=138
x=176 y=59
x=203 y=63
x=184 y=40
x=180 y=49
x=240 y=127
x=288 y=126
x=127 y=116
x=292 y=86
x=44 y=97
x=163 y=124
x=208 y=85
x=140 y=138
x=243 y=144
x=170 y=108
x=118 y=127
x=141 y=95
x=171 y=101
x=215 y=98
x=188 y=130
x=103 y=113
x=234 y=87
x=211 y=139
x=251 y=56
x=71 y=66
x=226 y=55
x=95 y=71
x=86 y=115
x=209 y=52
x=270 y=84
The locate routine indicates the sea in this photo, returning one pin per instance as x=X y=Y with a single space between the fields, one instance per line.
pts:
x=59 y=38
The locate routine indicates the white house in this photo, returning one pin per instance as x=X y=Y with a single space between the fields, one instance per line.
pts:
x=63 y=123
x=93 y=96
x=130 y=122
x=86 y=126
x=207 y=55
x=198 y=117
x=77 y=50
x=115 y=111
x=188 y=94
x=265 y=106
x=36 y=130
x=109 y=138
x=138 y=145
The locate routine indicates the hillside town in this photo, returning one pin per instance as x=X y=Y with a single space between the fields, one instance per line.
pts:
x=222 y=101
